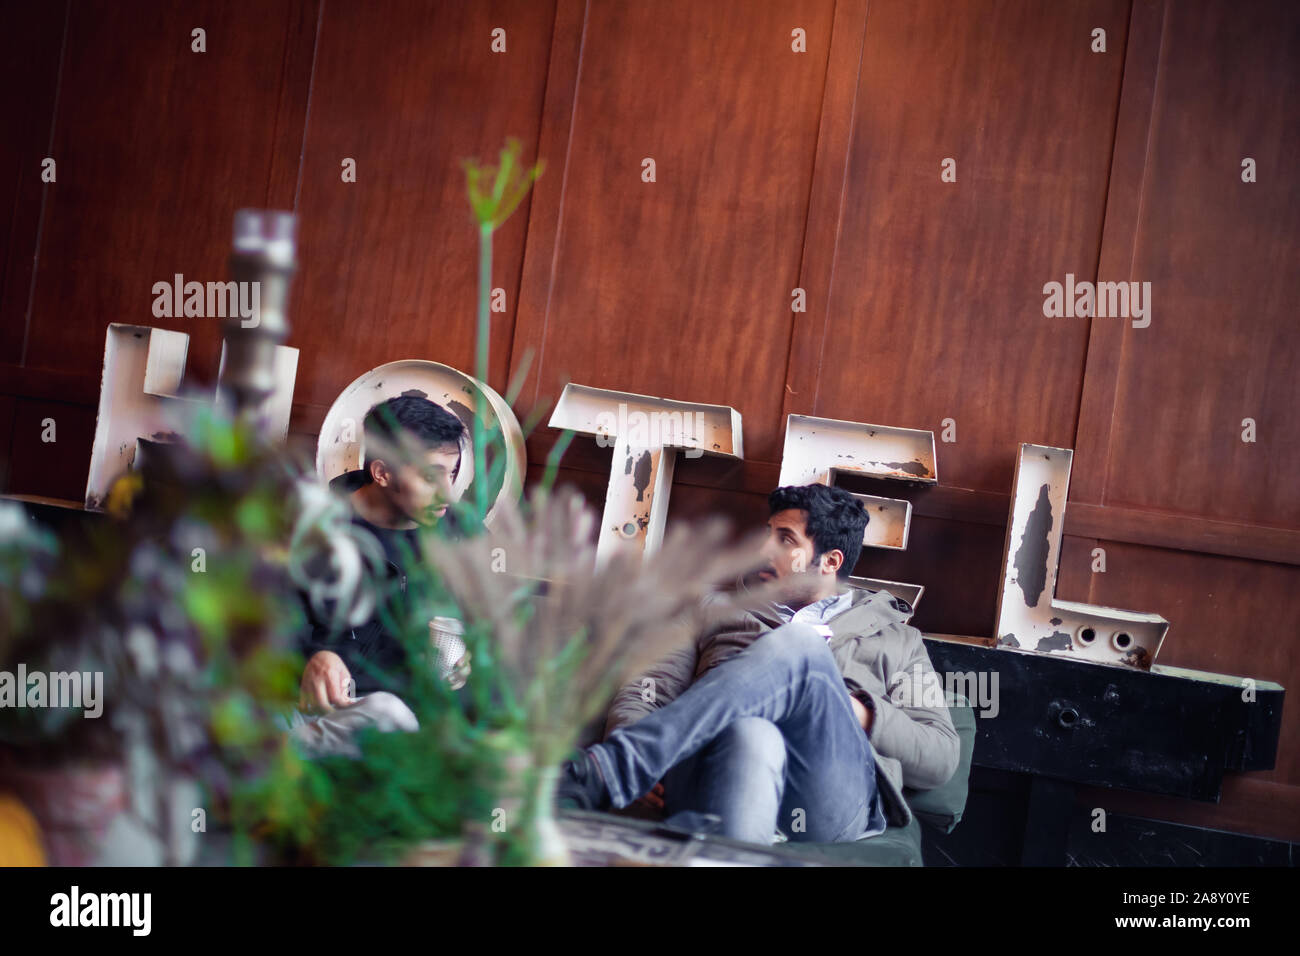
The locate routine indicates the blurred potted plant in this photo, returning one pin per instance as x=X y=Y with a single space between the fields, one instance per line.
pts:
x=180 y=597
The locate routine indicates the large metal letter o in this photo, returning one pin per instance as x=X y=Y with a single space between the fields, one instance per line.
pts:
x=448 y=387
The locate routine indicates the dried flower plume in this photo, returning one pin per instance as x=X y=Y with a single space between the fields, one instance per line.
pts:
x=567 y=632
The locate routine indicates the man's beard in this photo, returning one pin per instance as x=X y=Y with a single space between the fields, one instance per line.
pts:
x=791 y=589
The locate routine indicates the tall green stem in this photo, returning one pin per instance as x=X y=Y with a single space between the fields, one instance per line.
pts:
x=481 y=366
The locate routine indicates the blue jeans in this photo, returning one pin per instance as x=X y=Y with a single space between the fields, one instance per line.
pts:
x=766 y=739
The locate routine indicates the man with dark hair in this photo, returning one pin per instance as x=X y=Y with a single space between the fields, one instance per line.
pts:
x=412 y=455
x=804 y=715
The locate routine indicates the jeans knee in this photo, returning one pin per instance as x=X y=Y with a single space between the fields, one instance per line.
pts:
x=795 y=639
x=388 y=711
x=754 y=738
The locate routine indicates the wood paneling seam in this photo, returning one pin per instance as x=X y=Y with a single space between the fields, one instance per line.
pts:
x=40 y=219
x=559 y=216
x=1137 y=229
x=306 y=117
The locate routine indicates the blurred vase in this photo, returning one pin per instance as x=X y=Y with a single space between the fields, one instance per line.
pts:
x=20 y=835
x=75 y=806
x=435 y=853
x=533 y=835
x=548 y=846
x=523 y=830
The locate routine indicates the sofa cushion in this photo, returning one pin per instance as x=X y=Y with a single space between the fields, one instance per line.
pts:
x=897 y=846
x=943 y=806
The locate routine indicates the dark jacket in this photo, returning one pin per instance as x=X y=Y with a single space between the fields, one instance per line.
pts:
x=374 y=656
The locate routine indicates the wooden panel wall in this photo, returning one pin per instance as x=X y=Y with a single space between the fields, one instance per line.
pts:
x=937 y=291
x=30 y=57
x=773 y=170
x=713 y=95
x=390 y=262
x=1219 y=253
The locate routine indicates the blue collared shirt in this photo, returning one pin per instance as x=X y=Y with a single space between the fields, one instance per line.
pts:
x=817 y=613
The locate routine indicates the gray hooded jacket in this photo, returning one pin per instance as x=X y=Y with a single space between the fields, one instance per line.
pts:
x=879 y=655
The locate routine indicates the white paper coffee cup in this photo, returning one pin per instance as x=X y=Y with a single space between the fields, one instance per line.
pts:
x=446 y=639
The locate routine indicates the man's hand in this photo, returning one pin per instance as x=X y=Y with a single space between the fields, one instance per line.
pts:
x=325 y=684
x=460 y=676
x=861 y=712
x=654 y=800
